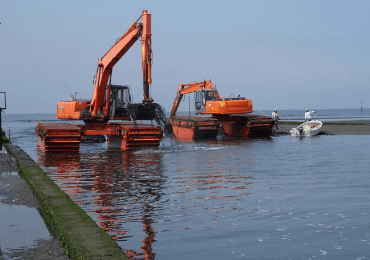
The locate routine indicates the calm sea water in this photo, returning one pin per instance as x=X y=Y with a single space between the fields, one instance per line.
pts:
x=270 y=198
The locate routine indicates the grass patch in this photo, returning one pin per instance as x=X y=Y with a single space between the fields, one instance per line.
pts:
x=3 y=136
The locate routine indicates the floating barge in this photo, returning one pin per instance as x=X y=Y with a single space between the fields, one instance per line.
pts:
x=194 y=127
x=241 y=125
x=244 y=125
x=61 y=137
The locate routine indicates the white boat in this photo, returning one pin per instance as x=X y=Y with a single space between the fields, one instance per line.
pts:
x=309 y=128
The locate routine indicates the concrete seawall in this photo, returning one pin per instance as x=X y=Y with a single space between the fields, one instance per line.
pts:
x=77 y=232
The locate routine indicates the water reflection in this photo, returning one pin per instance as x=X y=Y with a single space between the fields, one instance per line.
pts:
x=137 y=196
x=68 y=170
x=315 y=208
x=224 y=140
x=122 y=185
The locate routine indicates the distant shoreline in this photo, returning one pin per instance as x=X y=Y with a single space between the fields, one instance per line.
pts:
x=341 y=122
x=353 y=127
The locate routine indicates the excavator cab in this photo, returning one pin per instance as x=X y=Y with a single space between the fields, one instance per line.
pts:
x=201 y=98
x=122 y=108
x=120 y=98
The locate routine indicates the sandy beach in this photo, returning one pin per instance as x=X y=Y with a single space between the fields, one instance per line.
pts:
x=359 y=127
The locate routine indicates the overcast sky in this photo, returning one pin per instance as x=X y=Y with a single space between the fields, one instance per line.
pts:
x=281 y=54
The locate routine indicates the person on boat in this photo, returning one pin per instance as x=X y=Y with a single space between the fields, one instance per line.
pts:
x=307 y=115
x=275 y=117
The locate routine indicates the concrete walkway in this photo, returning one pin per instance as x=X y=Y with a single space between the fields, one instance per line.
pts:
x=24 y=234
x=24 y=182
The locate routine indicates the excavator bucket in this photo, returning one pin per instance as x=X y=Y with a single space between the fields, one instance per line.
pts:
x=142 y=111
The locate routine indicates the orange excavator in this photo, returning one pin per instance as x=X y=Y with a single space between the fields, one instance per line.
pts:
x=109 y=102
x=233 y=114
x=113 y=101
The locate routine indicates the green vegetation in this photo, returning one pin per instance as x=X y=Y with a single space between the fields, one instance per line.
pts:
x=42 y=132
x=78 y=233
x=5 y=141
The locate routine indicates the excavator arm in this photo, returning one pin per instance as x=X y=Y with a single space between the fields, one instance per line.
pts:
x=190 y=88
x=146 y=49
x=103 y=104
x=115 y=53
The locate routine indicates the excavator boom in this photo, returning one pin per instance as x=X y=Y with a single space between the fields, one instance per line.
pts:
x=146 y=49
x=116 y=52
x=190 y=88
x=106 y=64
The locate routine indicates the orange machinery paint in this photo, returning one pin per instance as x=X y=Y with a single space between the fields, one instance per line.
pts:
x=59 y=137
x=192 y=127
x=234 y=114
x=244 y=125
x=71 y=109
x=102 y=106
x=229 y=106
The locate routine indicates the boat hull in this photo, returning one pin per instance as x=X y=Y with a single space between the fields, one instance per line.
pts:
x=309 y=128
